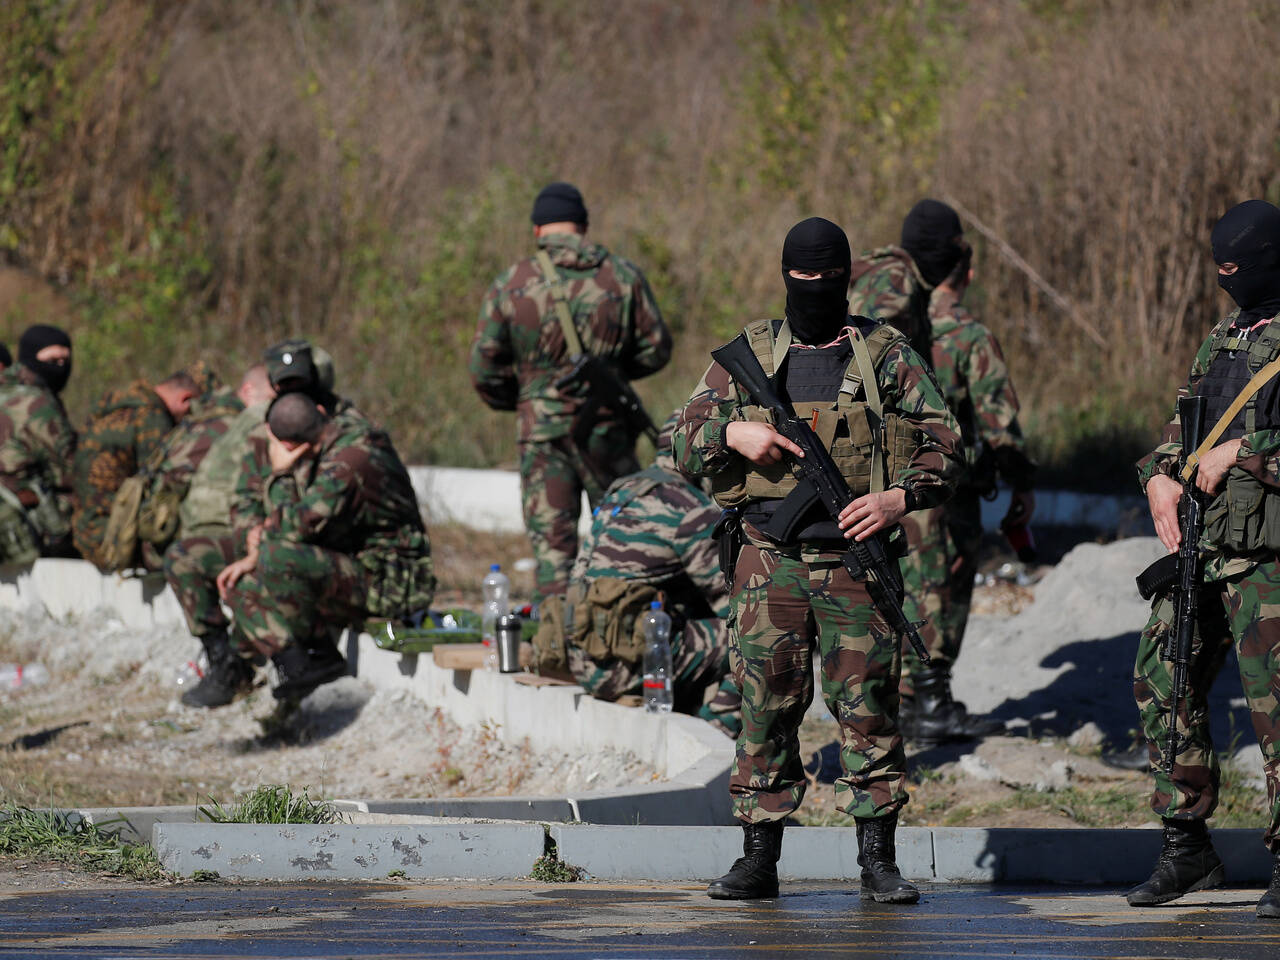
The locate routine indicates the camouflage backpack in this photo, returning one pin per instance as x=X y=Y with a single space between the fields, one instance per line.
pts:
x=120 y=541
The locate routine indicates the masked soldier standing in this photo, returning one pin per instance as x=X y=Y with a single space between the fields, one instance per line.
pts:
x=1240 y=549
x=571 y=439
x=793 y=594
x=37 y=445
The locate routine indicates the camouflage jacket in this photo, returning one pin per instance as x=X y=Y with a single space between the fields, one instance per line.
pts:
x=212 y=488
x=906 y=386
x=886 y=285
x=970 y=369
x=655 y=527
x=123 y=431
x=37 y=443
x=355 y=497
x=519 y=354
x=187 y=444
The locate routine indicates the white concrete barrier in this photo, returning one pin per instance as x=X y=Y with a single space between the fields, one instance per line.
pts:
x=691 y=757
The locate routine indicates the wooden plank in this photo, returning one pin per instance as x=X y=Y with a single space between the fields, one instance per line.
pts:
x=630 y=700
x=533 y=680
x=459 y=656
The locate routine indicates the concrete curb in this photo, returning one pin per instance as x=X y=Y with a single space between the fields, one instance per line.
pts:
x=692 y=758
x=500 y=851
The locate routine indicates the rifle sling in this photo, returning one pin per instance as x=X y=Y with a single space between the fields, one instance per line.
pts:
x=572 y=341
x=1258 y=381
x=872 y=391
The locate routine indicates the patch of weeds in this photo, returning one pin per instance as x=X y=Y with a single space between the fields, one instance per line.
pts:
x=205 y=876
x=396 y=874
x=452 y=776
x=549 y=868
x=63 y=837
x=273 y=803
x=927 y=774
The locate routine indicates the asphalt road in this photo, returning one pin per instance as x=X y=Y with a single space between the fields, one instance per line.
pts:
x=464 y=920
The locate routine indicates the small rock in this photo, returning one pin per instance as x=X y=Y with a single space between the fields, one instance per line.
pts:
x=1087 y=737
x=972 y=765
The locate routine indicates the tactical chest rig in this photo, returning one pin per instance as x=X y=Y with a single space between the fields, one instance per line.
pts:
x=1245 y=516
x=870 y=445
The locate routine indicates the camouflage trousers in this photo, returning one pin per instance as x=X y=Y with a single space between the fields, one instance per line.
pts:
x=299 y=592
x=553 y=476
x=938 y=571
x=1244 y=610
x=191 y=566
x=703 y=685
x=785 y=607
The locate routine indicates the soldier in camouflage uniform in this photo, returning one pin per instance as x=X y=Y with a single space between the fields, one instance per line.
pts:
x=944 y=541
x=791 y=593
x=343 y=541
x=125 y=428
x=569 y=440
x=653 y=529
x=1240 y=596
x=37 y=446
x=201 y=466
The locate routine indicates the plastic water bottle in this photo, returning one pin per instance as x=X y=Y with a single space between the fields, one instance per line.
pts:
x=658 y=696
x=191 y=672
x=495 y=590
x=15 y=676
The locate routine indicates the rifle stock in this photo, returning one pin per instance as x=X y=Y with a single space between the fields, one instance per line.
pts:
x=1178 y=644
x=864 y=559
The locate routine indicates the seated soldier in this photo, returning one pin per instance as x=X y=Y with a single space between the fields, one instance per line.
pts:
x=651 y=534
x=123 y=431
x=343 y=541
x=37 y=445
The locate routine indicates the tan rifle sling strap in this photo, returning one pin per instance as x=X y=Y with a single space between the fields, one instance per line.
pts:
x=1253 y=386
x=571 y=339
x=871 y=389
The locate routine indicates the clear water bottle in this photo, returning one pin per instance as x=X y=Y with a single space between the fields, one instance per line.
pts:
x=191 y=672
x=15 y=676
x=658 y=695
x=495 y=590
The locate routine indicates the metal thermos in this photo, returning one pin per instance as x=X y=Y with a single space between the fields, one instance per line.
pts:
x=510 y=633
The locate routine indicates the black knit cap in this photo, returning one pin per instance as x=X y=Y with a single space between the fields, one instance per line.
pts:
x=930 y=233
x=6 y=358
x=559 y=203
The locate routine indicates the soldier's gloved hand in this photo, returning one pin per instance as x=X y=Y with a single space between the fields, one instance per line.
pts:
x=1163 y=494
x=873 y=512
x=758 y=442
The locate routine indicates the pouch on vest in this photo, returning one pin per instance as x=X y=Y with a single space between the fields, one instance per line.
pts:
x=398 y=584
x=1245 y=516
x=549 y=653
x=614 y=628
x=120 y=541
x=17 y=539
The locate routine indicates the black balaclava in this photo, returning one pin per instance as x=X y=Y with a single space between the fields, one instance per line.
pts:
x=1248 y=235
x=929 y=234
x=816 y=309
x=34 y=340
x=559 y=203
x=6 y=358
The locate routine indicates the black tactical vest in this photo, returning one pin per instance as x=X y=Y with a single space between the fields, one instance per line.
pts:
x=1237 y=355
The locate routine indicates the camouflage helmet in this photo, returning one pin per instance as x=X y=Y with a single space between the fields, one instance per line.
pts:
x=203 y=376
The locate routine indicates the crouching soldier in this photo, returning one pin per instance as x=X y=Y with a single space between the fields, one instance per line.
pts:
x=876 y=409
x=343 y=541
x=37 y=445
x=651 y=537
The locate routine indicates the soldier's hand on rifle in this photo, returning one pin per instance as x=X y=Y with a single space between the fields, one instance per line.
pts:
x=1215 y=464
x=873 y=512
x=758 y=442
x=1163 y=494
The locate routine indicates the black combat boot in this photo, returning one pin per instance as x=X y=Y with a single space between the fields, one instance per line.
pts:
x=1187 y=863
x=878 y=858
x=1269 y=905
x=754 y=875
x=228 y=675
x=301 y=670
x=932 y=717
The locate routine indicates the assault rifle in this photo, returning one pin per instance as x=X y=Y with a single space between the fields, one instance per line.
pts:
x=605 y=386
x=1181 y=573
x=865 y=559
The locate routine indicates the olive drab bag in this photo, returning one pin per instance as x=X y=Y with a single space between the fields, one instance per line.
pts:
x=18 y=541
x=872 y=446
x=120 y=541
x=602 y=619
